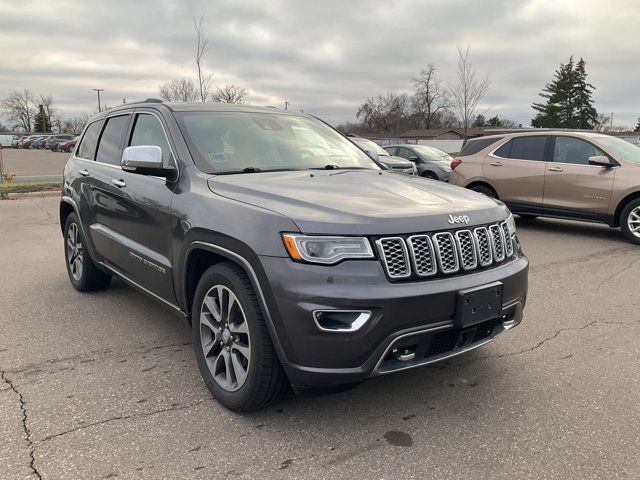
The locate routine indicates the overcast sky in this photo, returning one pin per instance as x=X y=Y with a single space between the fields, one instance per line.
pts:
x=325 y=57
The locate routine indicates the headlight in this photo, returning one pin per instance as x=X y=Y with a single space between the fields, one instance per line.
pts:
x=511 y=225
x=326 y=250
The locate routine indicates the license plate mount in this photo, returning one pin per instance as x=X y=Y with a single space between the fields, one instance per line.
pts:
x=478 y=304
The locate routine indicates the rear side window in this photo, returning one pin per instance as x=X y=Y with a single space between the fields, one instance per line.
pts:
x=110 y=147
x=474 y=146
x=148 y=131
x=524 y=148
x=390 y=150
x=87 y=148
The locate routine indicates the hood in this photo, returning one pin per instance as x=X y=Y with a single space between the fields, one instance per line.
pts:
x=359 y=202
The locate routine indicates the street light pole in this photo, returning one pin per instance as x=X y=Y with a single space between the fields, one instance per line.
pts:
x=99 y=90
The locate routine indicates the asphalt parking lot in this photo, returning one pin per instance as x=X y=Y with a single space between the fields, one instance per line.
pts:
x=34 y=165
x=105 y=385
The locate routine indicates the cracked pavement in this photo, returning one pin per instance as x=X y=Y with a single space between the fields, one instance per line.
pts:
x=105 y=385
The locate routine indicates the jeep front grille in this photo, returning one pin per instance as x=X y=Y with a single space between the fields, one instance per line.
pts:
x=445 y=253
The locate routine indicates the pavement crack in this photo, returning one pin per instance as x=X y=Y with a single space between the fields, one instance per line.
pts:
x=25 y=426
x=616 y=273
x=121 y=417
x=550 y=338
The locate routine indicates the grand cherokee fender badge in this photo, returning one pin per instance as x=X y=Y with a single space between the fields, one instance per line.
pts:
x=458 y=219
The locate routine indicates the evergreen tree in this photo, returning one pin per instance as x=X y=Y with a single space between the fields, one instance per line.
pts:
x=480 y=121
x=586 y=114
x=41 y=122
x=568 y=99
x=637 y=129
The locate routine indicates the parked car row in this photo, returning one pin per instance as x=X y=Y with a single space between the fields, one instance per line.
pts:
x=59 y=142
x=428 y=162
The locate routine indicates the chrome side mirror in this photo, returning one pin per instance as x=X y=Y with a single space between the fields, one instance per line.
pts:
x=146 y=160
x=601 y=160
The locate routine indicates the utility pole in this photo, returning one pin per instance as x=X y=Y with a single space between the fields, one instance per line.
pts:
x=286 y=105
x=99 y=90
x=611 y=129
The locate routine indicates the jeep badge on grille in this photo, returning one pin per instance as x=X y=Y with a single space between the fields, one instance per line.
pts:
x=458 y=219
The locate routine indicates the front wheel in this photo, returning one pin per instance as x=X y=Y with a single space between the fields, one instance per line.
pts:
x=233 y=348
x=630 y=221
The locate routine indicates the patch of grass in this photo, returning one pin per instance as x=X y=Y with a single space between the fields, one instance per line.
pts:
x=28 y=187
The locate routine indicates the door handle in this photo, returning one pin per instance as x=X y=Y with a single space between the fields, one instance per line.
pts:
x=84 y=173
x=496 y=164
x=555 y=169
x=118 y=183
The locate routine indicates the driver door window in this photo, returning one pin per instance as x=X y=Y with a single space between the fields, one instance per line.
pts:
x=148 y=130
x=574 y=150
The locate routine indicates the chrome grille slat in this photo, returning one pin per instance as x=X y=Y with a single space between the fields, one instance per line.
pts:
x=447 y=252
x=422 y=255
x=466 y=249
x=497 y=242
x=508 y=243
x=393 y=251
x=485 y=253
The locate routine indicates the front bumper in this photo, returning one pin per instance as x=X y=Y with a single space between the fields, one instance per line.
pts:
x=416 y=311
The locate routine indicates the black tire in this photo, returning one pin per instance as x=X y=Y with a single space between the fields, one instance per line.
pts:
x=527 y=217
x=632 y=209
x=430 y=175
x=88 y=277
x=265 y=382
x=486 y=190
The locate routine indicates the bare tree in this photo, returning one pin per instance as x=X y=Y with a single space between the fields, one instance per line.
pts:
x=20 y=108
x=430 y=98
x=230 y=94
x=178 y=90
x=468 y=90
x=202 y=46
x=385 y=112
x=603 y=122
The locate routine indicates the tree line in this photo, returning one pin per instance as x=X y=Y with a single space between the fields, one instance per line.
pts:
x=432 y=104
x=29 y=112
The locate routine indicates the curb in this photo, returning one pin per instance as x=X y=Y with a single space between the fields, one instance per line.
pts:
x=45 y=194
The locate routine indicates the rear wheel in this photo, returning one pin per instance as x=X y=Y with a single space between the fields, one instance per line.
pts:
x=233 y=348
x=83 y=273
x=630 y=221
x=430 y=175
x=486 y=190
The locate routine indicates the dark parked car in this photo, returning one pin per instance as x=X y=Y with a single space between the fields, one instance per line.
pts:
x=378 y=153
x=431 y=162
x=37 y=142
x=294 y=257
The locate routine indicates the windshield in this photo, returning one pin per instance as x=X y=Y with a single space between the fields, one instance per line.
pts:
x=433 y=153
x=240 y=142
x=370 y=145
x=620 y=148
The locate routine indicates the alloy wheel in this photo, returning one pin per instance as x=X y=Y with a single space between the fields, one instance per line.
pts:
x=75 y=254
x=634 y=221
x=225 y=339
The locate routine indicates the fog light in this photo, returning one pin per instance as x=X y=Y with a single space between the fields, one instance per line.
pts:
x=341 y=320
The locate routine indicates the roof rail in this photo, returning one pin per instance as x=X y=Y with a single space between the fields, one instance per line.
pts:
x=147 y=100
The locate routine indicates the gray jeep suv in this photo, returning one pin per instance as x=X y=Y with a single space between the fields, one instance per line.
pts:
x=295 y=259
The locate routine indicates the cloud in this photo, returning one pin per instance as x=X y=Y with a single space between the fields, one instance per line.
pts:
x=324 y=57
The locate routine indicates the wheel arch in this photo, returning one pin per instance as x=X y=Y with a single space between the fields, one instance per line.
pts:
x=623 y=203
x=201 y=255
x=67 y=207
x=482 y=183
